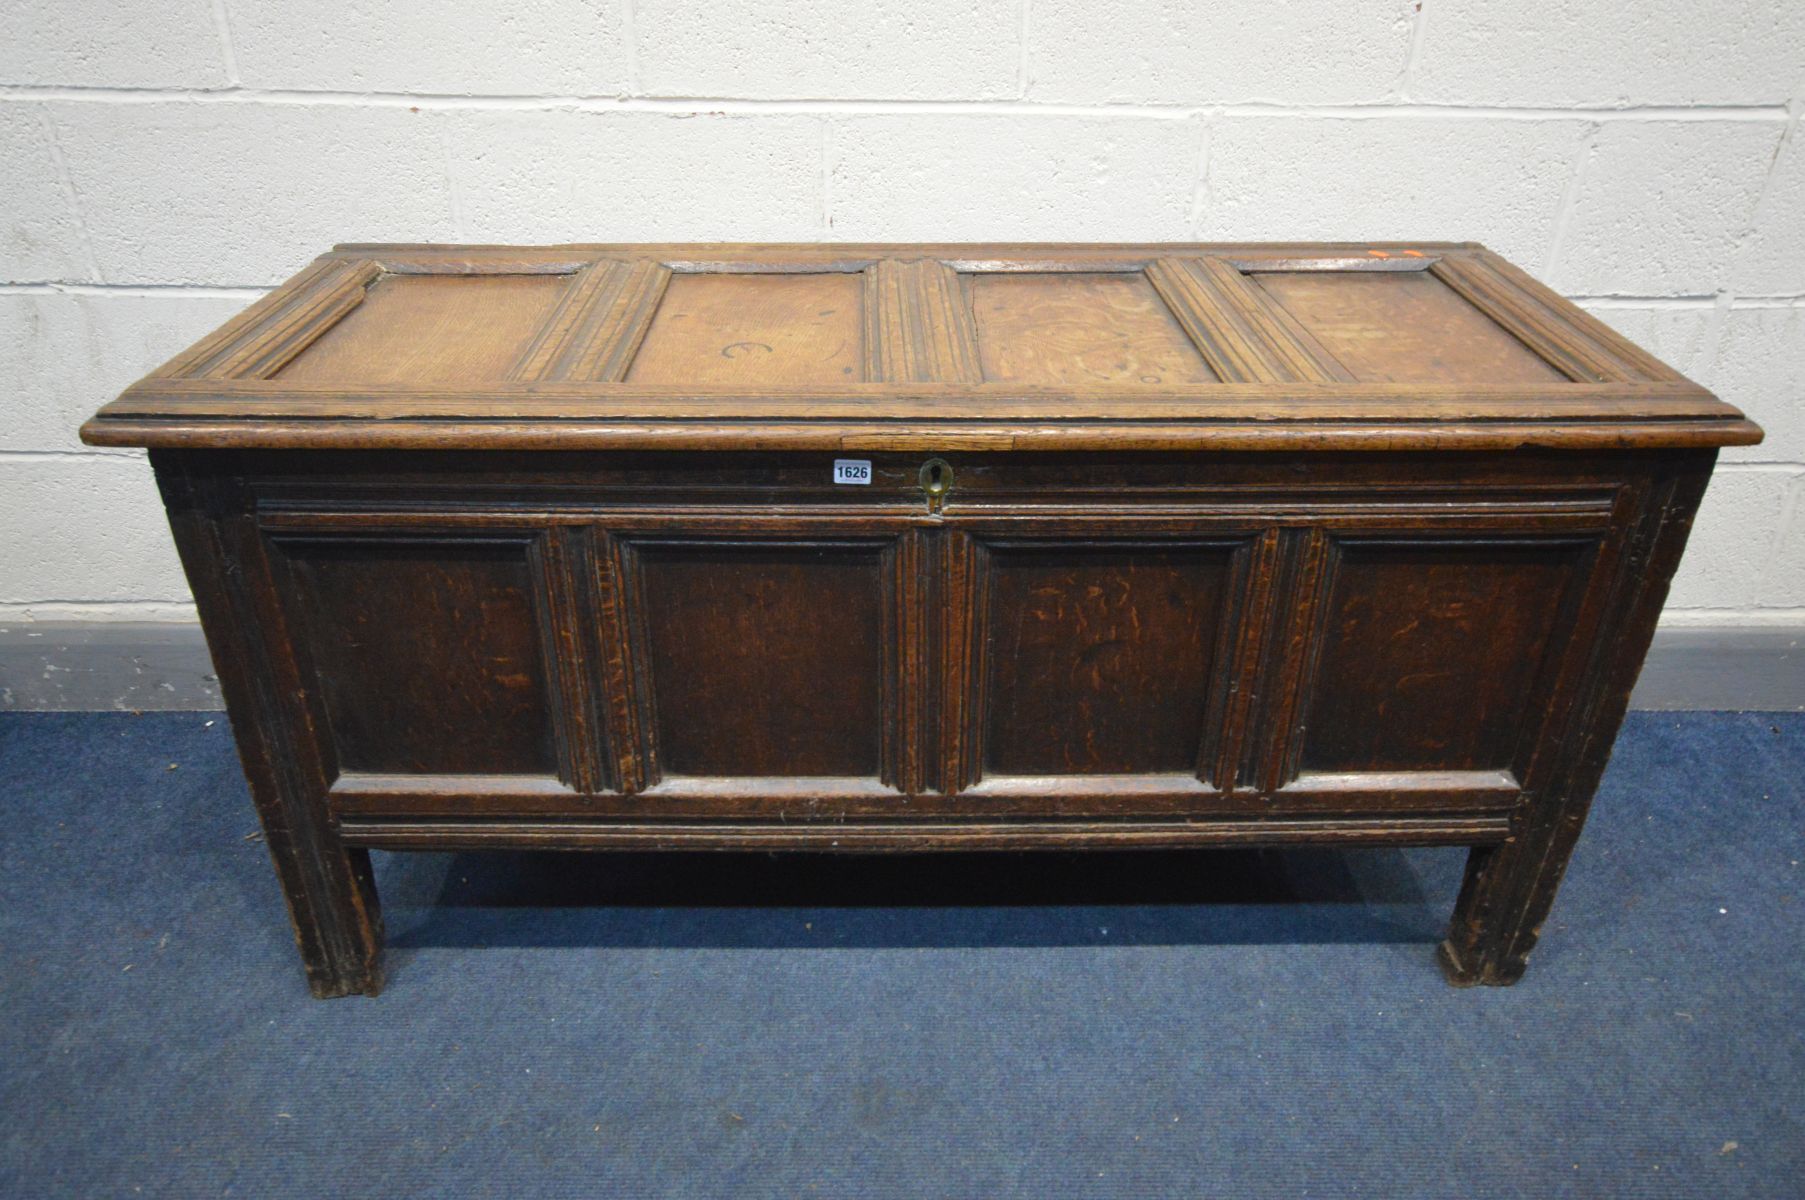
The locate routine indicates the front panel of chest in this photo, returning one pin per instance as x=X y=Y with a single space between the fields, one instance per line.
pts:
x=1138 y=636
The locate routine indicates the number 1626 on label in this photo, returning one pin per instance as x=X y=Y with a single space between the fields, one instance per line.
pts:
x=852 y=470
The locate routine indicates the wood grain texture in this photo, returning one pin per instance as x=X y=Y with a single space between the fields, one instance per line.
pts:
x=1509 y=888
x=1242 y=333
x=429 y=329
x=1099 y=657
x=754 y=329
x=765 y=659
x=598 y=325
x=1403 y=327
x=1393 y=688
x=287 y=324
x=387 y=622
x=1564 y=344
x=1083 y=329
x=327 y=884
x=865 y=348
x=1074 y=651
x=918 y=325
x=858 y=838
x=527 y=547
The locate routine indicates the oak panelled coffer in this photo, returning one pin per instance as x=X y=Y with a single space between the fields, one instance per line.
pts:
x=926 y=547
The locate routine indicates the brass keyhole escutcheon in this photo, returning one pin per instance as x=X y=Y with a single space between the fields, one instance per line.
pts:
x=936 y=478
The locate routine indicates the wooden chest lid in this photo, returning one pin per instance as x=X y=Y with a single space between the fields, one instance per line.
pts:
x=919 y=347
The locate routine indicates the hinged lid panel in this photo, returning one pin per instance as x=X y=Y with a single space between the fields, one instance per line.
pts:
x=905 y=347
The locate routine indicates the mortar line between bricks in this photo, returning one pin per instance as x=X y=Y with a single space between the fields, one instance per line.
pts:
x=1777 y=616
x=83 y=455
x=629 y=40
x=1779 y=467
x=55 y=287
x=726 y=105
x=827 y=173
x=1200 y=185
x=145 y=602
x=1563 y=219
x=1792 y=519
x=66 y=180
x=1627 y=300
x=1419 y=20
x=454 y=192
x=1739 y=247
x=222 y=23
x=175 y=612
x=1713 y=341
x=1024 y=16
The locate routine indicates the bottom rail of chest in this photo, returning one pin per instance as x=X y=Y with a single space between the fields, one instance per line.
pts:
x=870 y=836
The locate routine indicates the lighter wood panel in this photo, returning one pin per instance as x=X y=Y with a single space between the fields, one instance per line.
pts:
x=1404 y=327
x=431 y=329
x=755 y=329
x=1078 y=328
x=281 y=327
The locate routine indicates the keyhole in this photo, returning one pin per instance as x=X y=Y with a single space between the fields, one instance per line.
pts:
x=936 y=476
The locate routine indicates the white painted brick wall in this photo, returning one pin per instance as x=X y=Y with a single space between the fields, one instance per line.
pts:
x=634 y=176
x=104 y=43
x=829 y=49
x=940 y=177
x=1772 y=262
x=492 y=47
x=59 y=351
x=1500 y=182
x=83 y=530
x=1612 y=54
x=1660 y=205
x=1739 y=530
x=40 y=230
x=237 y=194
x=1760 y=360
x=1183 y=52
x=159 y=164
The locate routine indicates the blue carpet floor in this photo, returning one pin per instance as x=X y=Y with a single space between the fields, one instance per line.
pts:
x=1224 y=1024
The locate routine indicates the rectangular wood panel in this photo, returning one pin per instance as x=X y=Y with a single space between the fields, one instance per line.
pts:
x=1404 y=327
x=1099 y=659
x=431 y=329
x=1080 y=328
x=1433 y=654
x=427 y=656
x=766 y=659
x=755 y=329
